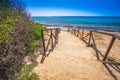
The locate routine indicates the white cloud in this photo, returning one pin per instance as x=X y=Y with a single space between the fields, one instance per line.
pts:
x=59 y=12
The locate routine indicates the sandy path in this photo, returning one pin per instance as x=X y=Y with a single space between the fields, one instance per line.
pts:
x=71 y=60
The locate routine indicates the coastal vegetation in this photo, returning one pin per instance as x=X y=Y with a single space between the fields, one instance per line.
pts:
x=19 y=36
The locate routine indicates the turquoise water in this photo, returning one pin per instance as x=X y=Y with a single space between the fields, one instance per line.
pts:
x=96 y=23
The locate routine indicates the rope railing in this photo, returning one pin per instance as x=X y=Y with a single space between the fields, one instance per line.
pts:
x=49 y=45
x=91 y=39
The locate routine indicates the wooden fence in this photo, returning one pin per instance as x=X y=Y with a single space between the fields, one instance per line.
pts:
x=89 y=34
x=50 y=44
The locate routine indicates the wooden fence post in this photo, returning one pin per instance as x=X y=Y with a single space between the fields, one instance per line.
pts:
x=82 y=33
x=44 y=51
x=51 y=38
x=78 y=33
x=109 y=48
x=89 y=39
x=57 y=32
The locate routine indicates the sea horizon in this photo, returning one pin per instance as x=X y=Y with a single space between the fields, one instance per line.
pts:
x=75 y=16
x=107 y=23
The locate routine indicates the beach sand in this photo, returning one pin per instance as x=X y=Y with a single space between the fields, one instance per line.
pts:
x=72 y=60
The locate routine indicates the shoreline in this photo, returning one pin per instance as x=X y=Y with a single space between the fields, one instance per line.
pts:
x=97 y=31
x=81 y=28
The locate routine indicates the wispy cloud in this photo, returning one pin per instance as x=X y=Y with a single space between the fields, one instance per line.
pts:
x=59 y=12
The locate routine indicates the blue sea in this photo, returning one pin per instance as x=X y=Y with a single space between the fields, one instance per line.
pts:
x=95 y=23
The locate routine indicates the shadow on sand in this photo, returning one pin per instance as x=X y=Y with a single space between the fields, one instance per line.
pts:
x=110 y=69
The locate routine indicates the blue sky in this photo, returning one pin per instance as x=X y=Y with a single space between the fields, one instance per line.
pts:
x=73 y=7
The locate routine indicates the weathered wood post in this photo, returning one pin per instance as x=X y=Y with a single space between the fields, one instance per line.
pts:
x=109 y=48
x=43 y=42
x=89 y=39
x=78 y=32
x=52 y=39
x=57 y=32
x=82 y=33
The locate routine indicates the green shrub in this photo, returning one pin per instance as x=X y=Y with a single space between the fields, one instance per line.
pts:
x=6 y=27
x=36 y=30
x=16 y=30
x=34 y=36
x=31 y=45
x=24 y=73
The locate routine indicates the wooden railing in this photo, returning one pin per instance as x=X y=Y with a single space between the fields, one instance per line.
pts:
x=92 y=43
x=51 y=41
